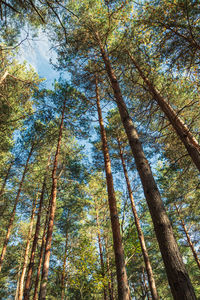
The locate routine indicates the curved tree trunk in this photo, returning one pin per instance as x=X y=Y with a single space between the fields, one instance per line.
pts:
x=178 y=278
x=190 y=143
x=151 y=280
x=45 y=270
x=21 y=281
x=14 y=210
x=122 y=280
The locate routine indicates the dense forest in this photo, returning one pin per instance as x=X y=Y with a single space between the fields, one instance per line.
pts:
x=99 y=185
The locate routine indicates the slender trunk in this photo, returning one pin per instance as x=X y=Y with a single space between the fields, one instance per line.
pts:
x=14 y=210
x=101 y=253
x=110 y=287
x=45 y=270
x=37 y=279
x=178 y=278
x=35 y=239
x=21 y=282
x=64 y=269
x=188 y=237
x=5 y=179
x=147 y=262
x=122 y=280
x=191 y=144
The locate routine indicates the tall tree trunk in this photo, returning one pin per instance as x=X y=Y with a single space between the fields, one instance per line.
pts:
x=21 y=281
x=122 y=280
x=35 y=239
x=188 y=237
x=64 y=269
x=147 y=262
x=14 y=210
x=45 y=270
x=178 y=278
x=100 y=252
x=110 y=286
x=37 y=279
x=191 y=144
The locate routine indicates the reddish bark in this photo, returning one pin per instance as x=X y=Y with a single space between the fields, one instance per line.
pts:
x=45 y=269
x=178 y=278
x=190 y=143
x=147 y=262
x=14 y=209
x=21 y=281
x=122 y=280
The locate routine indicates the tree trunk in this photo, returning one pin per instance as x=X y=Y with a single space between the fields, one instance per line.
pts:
x=64 y=269
x=190 y=143
x=37 y=279
x=147 y=262
x=14 y=210
x=21 y=281
x=122 y=280
x=188 y=237
x=35 y=239
x=101 y=253
x=178 y=278
x=110 y=287
x=45 y=269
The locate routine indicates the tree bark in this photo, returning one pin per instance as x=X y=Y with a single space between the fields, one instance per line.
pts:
x=37 y=279
x=122 y=280
x=110 y=287
x=21 y=281
x=188 y=237
x=100 y=252
x=151 y=280
x=178 y=278
x=45 y=270
x=190 y=143
x=14 y=209
x=35 y=239
x=64 y=269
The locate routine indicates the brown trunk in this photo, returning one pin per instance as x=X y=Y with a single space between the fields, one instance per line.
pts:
x=21 y=281
x=110 y=286
x=35 y=239
x=178 y=278
x=45 y=269
x=64 y=269
x=190 y=143
x=188 y=237
x=101 y=253
x=147 y=262
x=14 y=210
x=37 y=279
x=122 y=280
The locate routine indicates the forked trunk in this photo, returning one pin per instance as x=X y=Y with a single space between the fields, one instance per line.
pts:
x=21 y=281
x=45 y=270
x=145 y=254
x=178 y=278
x=14 y=210
x=122 y=280
x=187 y=138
